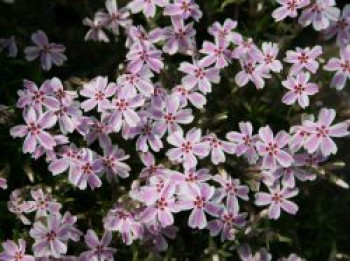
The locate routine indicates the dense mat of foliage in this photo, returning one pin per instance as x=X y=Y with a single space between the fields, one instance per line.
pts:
x=174 y=129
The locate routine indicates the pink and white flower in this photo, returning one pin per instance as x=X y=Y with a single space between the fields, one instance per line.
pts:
x=277 y=198
x=299 y=89
x=49 y=53
x=288 y=8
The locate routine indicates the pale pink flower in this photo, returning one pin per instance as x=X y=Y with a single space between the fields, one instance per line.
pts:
x=268 y=57
x=271 y=148
x=304 y=58
x=217 y=54
x=97 y=91
x=223 y=33
x=95 y=32
x=140 y=81
x=35 y=130
x=320 y=14
x=35 y=97
x=245 y=141
x=99 y=249
x=99 y=130
x=169 y=117
x=162 y=208
x=114 y=18
x=251 y=71
x=50 y=53
x=87 y=171
x=123 y=221
x=141 y=54
x=147 y=7
x=342 y=68
x=218 y=148
x=276 y=199
x=231 y=189
x=136 y=34
x=321 y=132
x=113 y=163
x=340 y=28
x=187 y=148
x=185 y=9
x=179 y=37
x=288 y=8
x=229 y=220
x=299 y=89
x=199 y=199
x=151 y=169
x=14 y=252
x=199 y=76
x=44 y=204
x=50 y=237
x=197 y=99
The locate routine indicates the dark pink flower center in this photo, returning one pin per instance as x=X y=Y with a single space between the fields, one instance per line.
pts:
x=51 y=236
x=186 y=147
x=86 y=168
x=34 y=129
x=169 y=118
x=161 y=203
x=303 y=58
x=276 y=197
x=122 y=104
x=99 y=96
x=322 y=131
x=299 y=88
x=272 y=149
x=199 y=202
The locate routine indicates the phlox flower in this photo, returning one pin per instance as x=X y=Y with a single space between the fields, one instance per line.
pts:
x=320 y=14
x=49 y=53
x=50 y=237
x=123 y=110
x=197 y=99
x=229 y=220
x=15 y=252
x=99 y=130
x=43 y=203
x=252 y=71
x=231 y=189
x=99 y=249
x=322 y=132
x=67 y=158
x=169 y=116
x=113 y=163
x=268 y=57
x=65 y=97
x=341 y=66
x=199 y=76
x=340 y=28
x=304 y=58
x=19 y=207
x=95 y=32
x=138 y=34
x=35 y=97
x=115 y=17
x=179 y=37
x=87 y=171
x=190 y=177
x=97 y=91
x=299 y=89
x=147 y=7
x=156 y=236
x=245 y=141
x=215 y=53
x=271 y=148
x=35 y=130
x=223 y=33
x=199 y=199
x=185 y=9
x=70 y=221
x=187 y=147
x=277 y=198
x=140 y=81
x=151 y=169
x=141 y=54
x=161 y=207
x=218 y=148
x=149 y=135
x=245 y=48
x=123 y=221
x=288 y=8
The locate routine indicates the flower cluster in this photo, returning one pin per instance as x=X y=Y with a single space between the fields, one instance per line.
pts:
x=137 y=106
